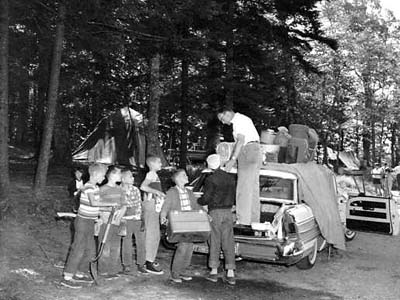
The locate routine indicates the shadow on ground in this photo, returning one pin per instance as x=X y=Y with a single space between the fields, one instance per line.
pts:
x=248 y=289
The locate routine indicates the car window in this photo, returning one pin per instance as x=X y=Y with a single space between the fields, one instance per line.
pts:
x=276 y=188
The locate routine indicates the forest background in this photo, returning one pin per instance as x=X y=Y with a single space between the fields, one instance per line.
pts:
x=64 y=65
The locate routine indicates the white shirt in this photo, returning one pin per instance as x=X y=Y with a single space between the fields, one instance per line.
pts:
x=396 y=170
x=244 y=125
x=79 y=184
x=377 y=173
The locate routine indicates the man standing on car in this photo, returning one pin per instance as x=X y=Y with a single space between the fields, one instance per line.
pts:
x=247 y=153
x=219 y=195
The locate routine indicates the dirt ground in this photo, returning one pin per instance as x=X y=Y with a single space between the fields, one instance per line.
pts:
x=32 y=242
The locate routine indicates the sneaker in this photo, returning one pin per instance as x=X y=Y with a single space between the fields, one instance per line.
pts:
x=229 y=280
x=142 y=269
x=152 y=268
x=70 y=283
x=109 y=276
x=186 y=277
x=176 y=278
x=212 y=277
x=82 y=279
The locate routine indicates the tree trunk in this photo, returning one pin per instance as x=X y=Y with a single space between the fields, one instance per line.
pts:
x=4 y=167
x=153 y=142
x=184 y=113
x=61 y=142
x=21 y=126
x=393 y=145
x=214 y=73
x=369 y=129
x=291 y=93
x=230 y=68
x=44 y=156
x=41 y=91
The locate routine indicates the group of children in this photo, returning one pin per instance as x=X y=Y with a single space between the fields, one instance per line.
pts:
x=116 y=209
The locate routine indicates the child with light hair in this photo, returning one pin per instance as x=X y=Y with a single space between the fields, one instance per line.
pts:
x=133 y=219
x=152 y=204
x=83 y=247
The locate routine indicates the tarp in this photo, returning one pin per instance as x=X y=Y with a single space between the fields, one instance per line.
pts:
x=349 y=159
x=317 y=190
x=117 y=139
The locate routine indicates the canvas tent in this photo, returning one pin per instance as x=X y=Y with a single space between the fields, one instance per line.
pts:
x=347 y=158
x=117 y=139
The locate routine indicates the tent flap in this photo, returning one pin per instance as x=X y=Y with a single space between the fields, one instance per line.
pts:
x=117 y=139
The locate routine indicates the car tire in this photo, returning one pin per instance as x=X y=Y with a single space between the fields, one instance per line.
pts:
x=349 y=235
x=309 y=261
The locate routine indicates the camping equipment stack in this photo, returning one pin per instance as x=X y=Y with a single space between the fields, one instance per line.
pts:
x=296 y=145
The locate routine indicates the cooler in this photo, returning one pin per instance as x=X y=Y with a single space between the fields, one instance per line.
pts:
x=188 y=226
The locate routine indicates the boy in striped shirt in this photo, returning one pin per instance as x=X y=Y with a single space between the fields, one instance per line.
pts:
x=83 y=246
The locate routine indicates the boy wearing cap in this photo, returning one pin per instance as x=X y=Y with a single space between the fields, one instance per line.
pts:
x=219 y=195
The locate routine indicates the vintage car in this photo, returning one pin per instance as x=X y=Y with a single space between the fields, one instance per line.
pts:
x=367 y=211
x=288 y=232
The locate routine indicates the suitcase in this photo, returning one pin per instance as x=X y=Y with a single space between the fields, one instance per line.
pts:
x=298 y=131
x=297 y=151
x=188 y=226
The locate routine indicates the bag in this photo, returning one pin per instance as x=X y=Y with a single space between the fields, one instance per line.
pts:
x=188 y=226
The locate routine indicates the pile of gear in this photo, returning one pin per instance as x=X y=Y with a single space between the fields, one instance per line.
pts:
x=297 y=144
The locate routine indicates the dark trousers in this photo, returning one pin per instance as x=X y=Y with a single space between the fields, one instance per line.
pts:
x=110 y=261
x=222 y=238
x=398 y=181
x=133 y=227
x=83 y=247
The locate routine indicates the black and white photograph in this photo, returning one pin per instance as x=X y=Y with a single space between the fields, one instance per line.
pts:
x=200 y=149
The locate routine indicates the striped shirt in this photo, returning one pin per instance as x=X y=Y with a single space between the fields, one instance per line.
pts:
x=184 y=199
x=86 y=210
